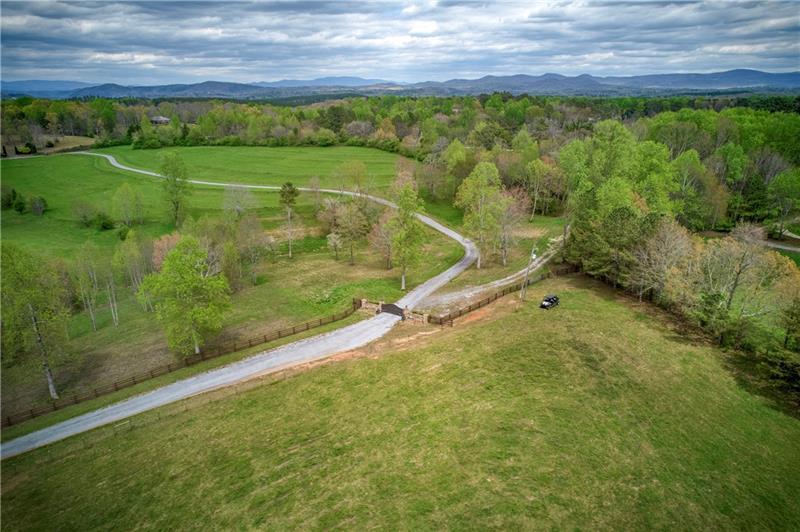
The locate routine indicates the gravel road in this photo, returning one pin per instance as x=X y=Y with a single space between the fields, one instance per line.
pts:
x=300 y=352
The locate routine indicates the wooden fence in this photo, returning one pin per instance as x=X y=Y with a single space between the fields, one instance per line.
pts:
x=206 y=354
x=447 y=319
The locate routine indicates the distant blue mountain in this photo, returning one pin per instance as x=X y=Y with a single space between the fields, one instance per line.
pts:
x=335 y=81
x=42 y=85
x=741 y=80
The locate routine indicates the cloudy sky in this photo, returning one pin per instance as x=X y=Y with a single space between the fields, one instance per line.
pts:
x=164 y=42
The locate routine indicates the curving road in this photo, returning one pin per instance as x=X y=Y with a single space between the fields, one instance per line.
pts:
x=302 y=351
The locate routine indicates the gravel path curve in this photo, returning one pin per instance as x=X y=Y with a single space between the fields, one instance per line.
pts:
x=300 y=352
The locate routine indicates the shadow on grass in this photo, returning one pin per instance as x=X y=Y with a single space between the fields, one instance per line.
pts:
x=748 y=370
x=752 y=376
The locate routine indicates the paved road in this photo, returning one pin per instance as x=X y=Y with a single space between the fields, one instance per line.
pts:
x=307 y=350
x=778 y=245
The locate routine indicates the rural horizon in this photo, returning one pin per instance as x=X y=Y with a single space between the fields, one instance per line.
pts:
x=459 y=265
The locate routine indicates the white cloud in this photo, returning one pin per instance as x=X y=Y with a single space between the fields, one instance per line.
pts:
x=406 y=41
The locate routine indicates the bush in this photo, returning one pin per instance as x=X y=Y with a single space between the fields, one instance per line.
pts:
x=49 y=144
x=784 y=369
x=103 y=221
x=7 y=198
x=123 y=231
x=38 y=205
x=19 y=203
x=84 y=212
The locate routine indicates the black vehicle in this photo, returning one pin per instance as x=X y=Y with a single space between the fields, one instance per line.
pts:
x=549 y=302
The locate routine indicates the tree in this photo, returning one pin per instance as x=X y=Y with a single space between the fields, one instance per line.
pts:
x=665 y=252
x=85 y=277
x=408 y=233
x=189 y=301
x=106 y=276
x=34 y=312
x=331 y=214
x=231 y=265
x=454 y=156
x=131 y=259
x=525 y=145
x=515 y=208
x=237 y=200
x=785 y=195
x=790 y=320
x=535 y=173
x=335 y=243
x=288 y=199
x=253 y=244
x=314 y=186
x=176 y=189
x=353 y=227
x=381 y=237
x=480 y=197
x=162 y=246
x=734 y=281
x=84 y=212
x=354 y=172
x=127 y=205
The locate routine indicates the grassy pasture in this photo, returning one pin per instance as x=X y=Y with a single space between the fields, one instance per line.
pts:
x=794 y=255
x=290 y=291
x=268 y=166
x=597 y=415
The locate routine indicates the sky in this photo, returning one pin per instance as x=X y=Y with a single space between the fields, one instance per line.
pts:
x=141 y=43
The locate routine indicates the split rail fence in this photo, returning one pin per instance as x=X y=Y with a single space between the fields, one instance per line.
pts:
x=73 y=398
x=447 y=319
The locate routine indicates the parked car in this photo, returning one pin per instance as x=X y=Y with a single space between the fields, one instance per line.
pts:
x=549 y=302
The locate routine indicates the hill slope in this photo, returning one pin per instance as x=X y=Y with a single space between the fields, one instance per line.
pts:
x=595 y=415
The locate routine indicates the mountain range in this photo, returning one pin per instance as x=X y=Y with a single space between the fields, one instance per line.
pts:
x=740 y=80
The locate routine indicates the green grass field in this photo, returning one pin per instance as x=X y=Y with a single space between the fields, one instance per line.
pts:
x=597 y=415
x=794 y=255
x=310 y=285
x=269 y=166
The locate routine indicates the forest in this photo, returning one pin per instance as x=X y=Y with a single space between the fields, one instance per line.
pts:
x=670 y=199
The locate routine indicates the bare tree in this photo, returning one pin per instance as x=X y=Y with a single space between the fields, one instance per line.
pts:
x=314 y=185
x=381 y=237
x=668 y=249
x=84 y=275
x=237 y=200
x=331 y=214
x=335 y=243
x=253 y=243
x=162 y=246
x=515 y=210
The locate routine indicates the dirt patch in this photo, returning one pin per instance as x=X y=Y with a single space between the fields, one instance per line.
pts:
x=508 y=302
x=529 y=232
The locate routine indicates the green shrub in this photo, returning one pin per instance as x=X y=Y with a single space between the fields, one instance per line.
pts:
x=122 y=232
x=19 y=203
x=37 y=205
x=8 y=197
x=103 y=221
